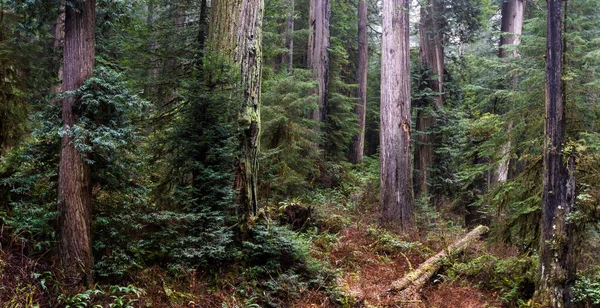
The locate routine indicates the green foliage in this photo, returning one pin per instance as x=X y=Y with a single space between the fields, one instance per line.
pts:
x=512 y=278
x=115 y=296
x=587 y=290
x=13 y=91
x=28 y=181
x=279 y=266
x=289 y=142
x=389 y=243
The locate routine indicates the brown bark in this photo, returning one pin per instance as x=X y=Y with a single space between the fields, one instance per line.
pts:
x=413 y=281
x=318 y=53
x=75 y=245
x=236 y=33
x=558 y=194
x=513 y=14
x=432 y=61
x=396 y=162
x=358 y=141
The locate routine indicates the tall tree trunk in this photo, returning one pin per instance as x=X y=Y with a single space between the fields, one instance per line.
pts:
x=236 y=33
x=513 y=14
x=75 y=245
x=59 y=45
x=558 y=194
x=203 y=27
x=432 y=60
x=358 y=141
x=318 y=53
x=396 y=163
x=287 y=57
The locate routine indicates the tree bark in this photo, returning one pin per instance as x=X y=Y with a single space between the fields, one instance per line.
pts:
x=75 y=245
x=432 y=61
x=236 y=33
x=558 y=194
x=513 y=14
x=287 y=58
x=318 y=53
x=358 y=141
x=396 y=162
x=59 y=45
x=417 y=278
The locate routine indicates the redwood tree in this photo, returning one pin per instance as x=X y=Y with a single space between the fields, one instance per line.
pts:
x=75 y=245
x=318 y=53
x=236 y=34
x=558 y=194
x=432 y=61
x=513 y=14
x=358 y=141
x=396 y=163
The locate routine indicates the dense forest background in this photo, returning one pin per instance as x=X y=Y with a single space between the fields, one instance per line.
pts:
x=299 y=153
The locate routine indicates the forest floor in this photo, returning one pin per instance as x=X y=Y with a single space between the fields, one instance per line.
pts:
x=369 y=258
x=359 y=260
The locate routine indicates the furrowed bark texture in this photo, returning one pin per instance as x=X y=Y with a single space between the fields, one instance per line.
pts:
x=358 y=141
x=236 y=33
x=396 y=161
x=513 y=13
x=318 y=52
x=75 y=245
x=413 y=281
x=432 y=60
x=558 y=194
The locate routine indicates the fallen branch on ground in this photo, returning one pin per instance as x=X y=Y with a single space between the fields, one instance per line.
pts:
x=415 y=279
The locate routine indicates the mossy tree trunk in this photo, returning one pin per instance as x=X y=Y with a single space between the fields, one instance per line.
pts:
x=236 y=34
x=75 y=187
x=558 y=194
x=396 y=160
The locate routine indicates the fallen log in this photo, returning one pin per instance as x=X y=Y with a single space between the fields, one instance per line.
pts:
x=412 y=282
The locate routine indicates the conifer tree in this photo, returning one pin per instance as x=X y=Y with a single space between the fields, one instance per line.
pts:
x=432 y=61
x=396 y=159
x=236 y=34
x=318 y=53
x=558 y=193
x=358 y=141
x=75 y=183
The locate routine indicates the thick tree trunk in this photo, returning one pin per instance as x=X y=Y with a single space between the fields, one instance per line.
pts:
x=416 y=279
x=358 y=142
x=558 y=194
x=432 y=60
x=513 y=14
x=396 y=162
x=236 y=34
x=75 y=245
x=318 y=53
